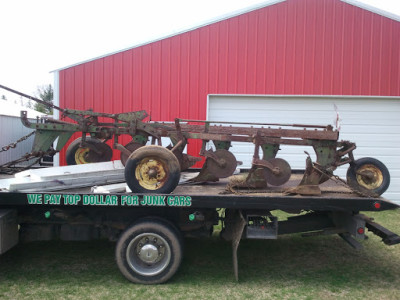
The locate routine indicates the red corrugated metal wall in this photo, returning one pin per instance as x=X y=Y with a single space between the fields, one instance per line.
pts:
x=316 y=47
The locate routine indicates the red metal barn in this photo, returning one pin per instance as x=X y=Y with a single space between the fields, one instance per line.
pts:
x=293 y=47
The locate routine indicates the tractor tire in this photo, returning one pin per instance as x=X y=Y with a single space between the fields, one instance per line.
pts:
x=368 y=175
x=152 y=169
x=76 y=155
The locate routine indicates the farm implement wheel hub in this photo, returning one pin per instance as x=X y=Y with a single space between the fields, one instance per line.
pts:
x=369 y=176
x=150 y=173
x=81 y=156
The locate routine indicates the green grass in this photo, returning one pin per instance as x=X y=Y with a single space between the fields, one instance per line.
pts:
x=291 y=267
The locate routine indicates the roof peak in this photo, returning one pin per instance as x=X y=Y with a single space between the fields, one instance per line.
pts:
x=228 y=16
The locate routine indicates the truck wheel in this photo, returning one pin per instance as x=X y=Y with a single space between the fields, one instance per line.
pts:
x=368 y=175
x=76 y=155
x=149 y=252
x=152 y=169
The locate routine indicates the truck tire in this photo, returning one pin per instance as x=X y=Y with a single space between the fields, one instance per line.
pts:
x=149 y=252
x=368 y=175
x=152 y=169
x=76 y=154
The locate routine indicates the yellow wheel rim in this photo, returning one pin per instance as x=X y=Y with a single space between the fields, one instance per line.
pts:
x=369 y=177
x=151 y=173
x=80 y=156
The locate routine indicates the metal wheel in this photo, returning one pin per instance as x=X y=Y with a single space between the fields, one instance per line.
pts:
x=152 y=169
x=76 y=155
x=368 y=175
x=149 y=252
x=151 y=173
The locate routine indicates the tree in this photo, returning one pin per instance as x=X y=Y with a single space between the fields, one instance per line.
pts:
x=46 y=94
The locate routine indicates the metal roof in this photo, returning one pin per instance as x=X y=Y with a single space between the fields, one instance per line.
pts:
x=14 y=110
x=228 y=16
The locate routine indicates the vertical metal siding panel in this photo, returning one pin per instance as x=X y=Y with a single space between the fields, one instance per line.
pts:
x=146 y=79
x=348 y=49
x=281 y=49
x=184 y=77
x=137 y=79
x=317 y=48
x=345 y=56
x=267 y=51
x=299 y=55
x=70 y=88
x=318 y=70
x=357 y=51
x=165 y=84
x=99 y=85
x=395 y=65
x=196 y=96
x=374 y=61
x=242 y=49
x=213 y=63
x=290 y=49
x=175 y=76
x=156 y=81
x=271 y=16
x=204 y=57
x=309 y=53
x=261 y=52
x=117 y=99
x=88 y=86
x=222 y=82
x=127 y=77
x=108 y=83
x=370 y=48
x=117 y=93
x=79 y=86
x=126 y=94
x=232 y=55
x=251 y=63
x=330 y=44
x=385 y=42
x=194 y=70
x=328 y=48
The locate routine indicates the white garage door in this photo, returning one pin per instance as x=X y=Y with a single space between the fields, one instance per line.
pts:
x=373 y=123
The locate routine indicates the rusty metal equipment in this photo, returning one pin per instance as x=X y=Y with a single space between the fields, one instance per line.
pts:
x=156 y=169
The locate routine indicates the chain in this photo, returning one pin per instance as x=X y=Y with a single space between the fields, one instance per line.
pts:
x=7 y=169
x=231 y=188
x=13 y=145
x=343 y=183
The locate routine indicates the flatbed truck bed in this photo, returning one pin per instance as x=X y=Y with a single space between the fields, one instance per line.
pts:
x=149 y=228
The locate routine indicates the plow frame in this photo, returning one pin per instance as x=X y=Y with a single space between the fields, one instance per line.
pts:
x=220 y=163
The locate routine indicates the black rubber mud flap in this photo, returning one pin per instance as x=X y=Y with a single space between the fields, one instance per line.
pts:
x=238 y=227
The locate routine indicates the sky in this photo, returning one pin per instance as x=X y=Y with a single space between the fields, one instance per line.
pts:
x=40 y=36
